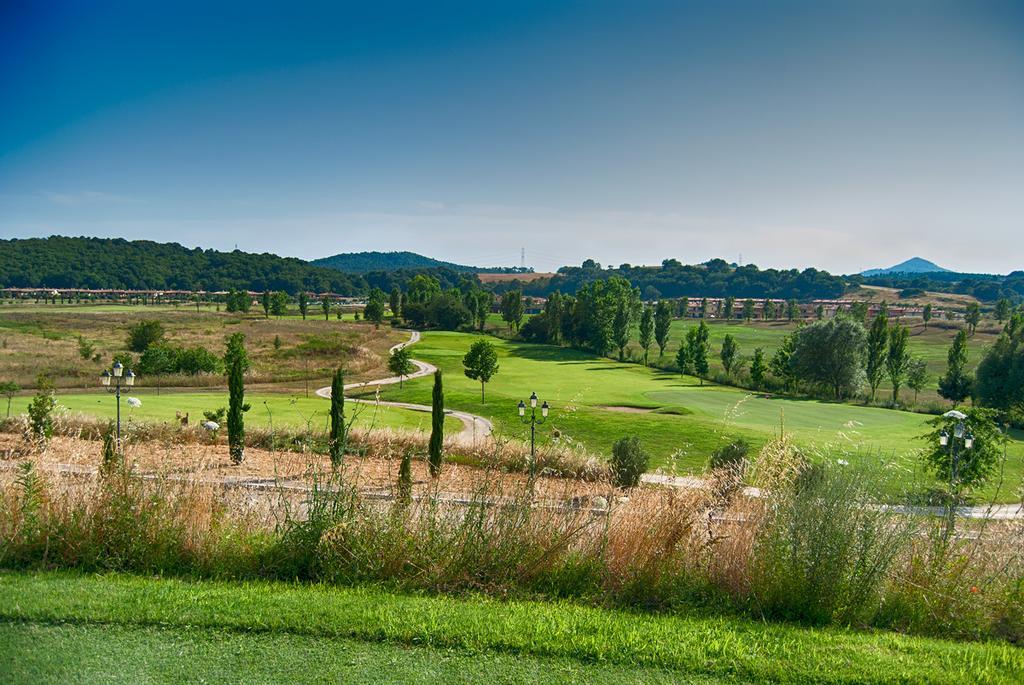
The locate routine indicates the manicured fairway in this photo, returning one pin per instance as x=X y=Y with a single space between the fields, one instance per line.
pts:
x=291 y=411
x=684 y=422
x=59 y=626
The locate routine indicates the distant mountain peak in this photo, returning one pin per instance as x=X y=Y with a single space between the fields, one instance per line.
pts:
x=914 y=265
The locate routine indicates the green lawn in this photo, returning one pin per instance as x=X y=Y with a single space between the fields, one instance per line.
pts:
x=687 y=420
x=63 y=627
x=292 y=411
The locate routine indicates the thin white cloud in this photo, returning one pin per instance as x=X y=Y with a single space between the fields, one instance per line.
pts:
x=86 y=197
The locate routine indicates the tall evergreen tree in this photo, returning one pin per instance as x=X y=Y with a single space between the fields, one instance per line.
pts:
x=729 y=353
x=436 y=448
x=926 y=315
x=758 y=369
x=698 y=352
x=236 y=362
x=878 y=342
x=956 y=385
x=646 y=330
x=265 y=301
x=973 y=316
x=325 y=305
x=730 y=306
x=748 y=310
x=337 y=434
x=792 y=310
x=662 y=325
x=684 y=307
x=396 y=303
x=303 y=303
x=898 y=358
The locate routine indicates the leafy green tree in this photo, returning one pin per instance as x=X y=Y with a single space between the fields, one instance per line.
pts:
x=145 y=333
x=697 y=342
x=684 y=307
x=236 y=361
x=422 y=289
x=400 y=364
x=877 y=345
x=85 y=348
x=965 y=468
x=482 y=308
x=337 y=433
x=238 y=301
x=436 y=447
x=781 y=363
x=758 y=369
x=662 y=325
x=898 y=358
x=999 y=380
x=829 y=355
x=972 y=316
x=770 y=310
x=704 y=308
x=395 y=302
x=303 y=303
x=819 y=312
x=1003 y=309
x=512 y=309
x=325 y=307
x=859 y=311
x=956 y=385
x=926 y=315
x=9 y=389
x=730 y=306
x=40 y=410
x=279 y=303
x=374 y=309
x=729 y=353
x=265 y=301
x=917 y=376
x=481 y=363
x=792 y=310
x=748 y=309
x=646 y=330
x=554 y=312
x=622 y=326
x=683 y=354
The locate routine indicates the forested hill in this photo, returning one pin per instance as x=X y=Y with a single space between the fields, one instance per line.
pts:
x=62 y=262
x=715 y=278
x=365 y=262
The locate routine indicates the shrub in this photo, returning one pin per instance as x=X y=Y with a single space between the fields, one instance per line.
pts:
x=629 y=461
x=40 y=411
x=730 y=456
x=143 y=334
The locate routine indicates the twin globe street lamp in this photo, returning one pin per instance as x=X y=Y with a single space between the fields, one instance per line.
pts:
x=115 y=379
x=533 y=422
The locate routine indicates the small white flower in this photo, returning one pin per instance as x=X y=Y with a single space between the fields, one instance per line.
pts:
x=842 y=462
x=211 y=425
x=134 y=402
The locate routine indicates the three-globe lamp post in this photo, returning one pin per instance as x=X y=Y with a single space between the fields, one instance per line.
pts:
x=962 y=434
x=533 y=422
x=113 y=380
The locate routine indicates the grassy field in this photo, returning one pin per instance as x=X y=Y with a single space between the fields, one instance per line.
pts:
x=61 y=627
x=38 y=339
x=292 y=411
x=595 y=401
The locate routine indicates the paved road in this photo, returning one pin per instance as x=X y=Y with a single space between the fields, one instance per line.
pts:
x=473 y=426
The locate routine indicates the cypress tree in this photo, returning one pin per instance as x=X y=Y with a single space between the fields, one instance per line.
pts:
x=405 y=479
x=337 y=437
x=437 y=427
x=236 y=362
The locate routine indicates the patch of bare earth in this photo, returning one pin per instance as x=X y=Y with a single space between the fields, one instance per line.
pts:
x=628 y=410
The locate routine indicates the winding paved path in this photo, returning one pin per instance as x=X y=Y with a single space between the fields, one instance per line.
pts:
x=473 y=426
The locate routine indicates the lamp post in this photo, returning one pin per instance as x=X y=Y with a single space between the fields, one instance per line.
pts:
x=118 y=377
x=533 y=422
x=961 y=433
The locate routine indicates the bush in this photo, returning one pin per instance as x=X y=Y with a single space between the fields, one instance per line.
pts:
x=629 y=461
x=730 y=456
x=143 y=334
x=166 y=359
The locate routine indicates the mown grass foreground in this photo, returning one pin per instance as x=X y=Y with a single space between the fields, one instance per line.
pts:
x=61 y=627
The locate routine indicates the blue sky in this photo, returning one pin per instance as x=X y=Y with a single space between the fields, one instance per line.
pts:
x=836 y=135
